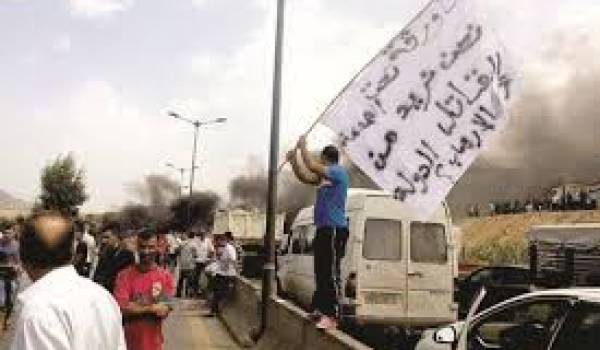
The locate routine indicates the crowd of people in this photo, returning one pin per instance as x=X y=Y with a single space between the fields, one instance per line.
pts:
x=568 y=202
x=112 y=290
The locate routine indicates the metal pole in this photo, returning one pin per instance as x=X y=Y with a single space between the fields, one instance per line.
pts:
x=181 y=182
x=189 y=209
x=269 y=241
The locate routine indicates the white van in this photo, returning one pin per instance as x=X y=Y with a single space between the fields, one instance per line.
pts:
x=397 y=271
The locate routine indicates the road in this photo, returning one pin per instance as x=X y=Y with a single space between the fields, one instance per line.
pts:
x=188 y=329
x=185 y=329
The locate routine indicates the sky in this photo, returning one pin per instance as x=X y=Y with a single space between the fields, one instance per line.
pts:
x=97 y=77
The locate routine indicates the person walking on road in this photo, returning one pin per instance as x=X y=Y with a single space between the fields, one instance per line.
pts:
x=239 y=251
x=174 y=246
x=206 y=251
x=9 y=267
x=109 y=243
x=115 y=259
x=330 y=219
x=187 y=265
x=224 y=269
x=61 y=310
x=91 y=250
x=144 y=292
x=80 y=258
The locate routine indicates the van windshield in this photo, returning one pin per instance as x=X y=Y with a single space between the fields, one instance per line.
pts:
x=428 y=243
x=382 y=240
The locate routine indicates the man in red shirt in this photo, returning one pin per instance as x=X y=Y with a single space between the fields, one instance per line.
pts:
x=144 y=292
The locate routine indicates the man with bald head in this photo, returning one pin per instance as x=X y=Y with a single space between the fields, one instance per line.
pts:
x=61 y=310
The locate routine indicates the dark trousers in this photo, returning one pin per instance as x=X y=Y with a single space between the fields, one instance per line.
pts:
x=198 y=277
x=8 y=274
x=186 y=279
x=218 y=286
x=172 y=260
x=329 y=249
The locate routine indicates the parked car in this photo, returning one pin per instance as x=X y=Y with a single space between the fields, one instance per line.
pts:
x=500 y=282
x=560 y=319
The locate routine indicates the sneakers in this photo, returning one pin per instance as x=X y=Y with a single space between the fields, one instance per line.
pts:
x=327 y=322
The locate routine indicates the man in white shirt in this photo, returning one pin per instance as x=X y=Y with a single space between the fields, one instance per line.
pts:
x=174 y=246
x=91 y=244
x=85 y=250
x=225 y=272
x=187 y=264
x=205 y=250
x=61 y=310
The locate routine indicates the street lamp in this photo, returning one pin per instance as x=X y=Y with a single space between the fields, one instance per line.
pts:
x=197 y=124
x=181 y=172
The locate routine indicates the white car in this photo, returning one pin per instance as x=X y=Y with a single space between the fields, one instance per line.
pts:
x=563 y=319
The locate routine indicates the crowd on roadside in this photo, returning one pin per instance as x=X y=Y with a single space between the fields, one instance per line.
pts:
x=507 y=207
x=136 y=268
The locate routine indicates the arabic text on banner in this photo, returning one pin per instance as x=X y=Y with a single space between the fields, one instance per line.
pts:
x=419 y=114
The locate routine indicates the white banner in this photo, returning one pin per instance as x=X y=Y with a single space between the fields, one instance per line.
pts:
x=421 y=111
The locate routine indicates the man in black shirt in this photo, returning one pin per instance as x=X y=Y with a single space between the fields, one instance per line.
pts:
x=115 y=258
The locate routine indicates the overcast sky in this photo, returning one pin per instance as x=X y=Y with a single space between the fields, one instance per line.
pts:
x=95 y=77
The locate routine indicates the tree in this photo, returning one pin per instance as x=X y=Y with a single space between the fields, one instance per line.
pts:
x=63 y=186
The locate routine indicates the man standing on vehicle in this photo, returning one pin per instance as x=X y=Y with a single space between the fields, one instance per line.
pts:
x=331 y=222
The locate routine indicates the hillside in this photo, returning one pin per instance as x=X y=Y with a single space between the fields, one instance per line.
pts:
x=9 y=202
x=502 y=239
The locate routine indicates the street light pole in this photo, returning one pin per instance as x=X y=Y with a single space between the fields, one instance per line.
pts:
x=197 y=124
x=196 y=128
x=181 y=172
x=269 y=240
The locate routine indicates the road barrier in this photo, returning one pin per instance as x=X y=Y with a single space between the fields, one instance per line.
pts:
x=289 y=327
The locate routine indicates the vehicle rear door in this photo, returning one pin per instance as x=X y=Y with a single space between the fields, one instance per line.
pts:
x=382 y=269
x=430 y=274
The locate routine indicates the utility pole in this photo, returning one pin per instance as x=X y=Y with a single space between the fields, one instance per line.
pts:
x=181 y=172
x=189 y=207
x=197 y=124
x=269 y=240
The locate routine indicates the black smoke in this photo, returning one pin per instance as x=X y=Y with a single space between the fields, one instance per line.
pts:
x=554 y=133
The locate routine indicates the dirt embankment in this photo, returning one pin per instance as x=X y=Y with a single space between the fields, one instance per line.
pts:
x=502 y=239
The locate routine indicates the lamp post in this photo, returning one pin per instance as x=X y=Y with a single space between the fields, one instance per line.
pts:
x=269 y=239
x=181 y=172
x=196 y=124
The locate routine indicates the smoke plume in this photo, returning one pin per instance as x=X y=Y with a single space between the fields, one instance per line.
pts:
x=249 y=191
x=554 y=133
x=154 y=193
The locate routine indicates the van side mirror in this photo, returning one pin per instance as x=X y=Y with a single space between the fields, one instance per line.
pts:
x=446 y=335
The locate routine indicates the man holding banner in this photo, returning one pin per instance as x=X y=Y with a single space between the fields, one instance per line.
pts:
x=332 y=226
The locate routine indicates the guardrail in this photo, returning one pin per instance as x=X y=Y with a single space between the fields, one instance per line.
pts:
x=289 y=328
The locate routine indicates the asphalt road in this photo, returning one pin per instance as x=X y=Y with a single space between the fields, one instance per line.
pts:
x=185 y=329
